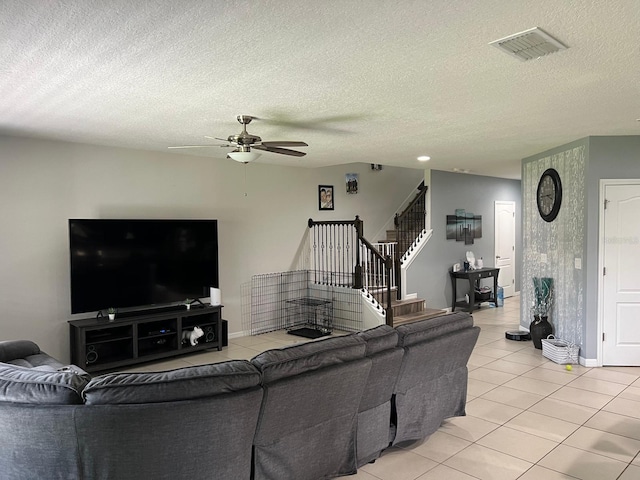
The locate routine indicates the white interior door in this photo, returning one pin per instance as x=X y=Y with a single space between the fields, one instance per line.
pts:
x=505 y=235
x=621 y=282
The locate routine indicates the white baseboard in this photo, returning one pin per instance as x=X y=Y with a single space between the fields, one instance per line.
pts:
x=588 y=362
x=411 y=296
x=238 y=334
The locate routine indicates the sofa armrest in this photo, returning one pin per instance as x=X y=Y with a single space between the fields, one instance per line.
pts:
x=14 y=349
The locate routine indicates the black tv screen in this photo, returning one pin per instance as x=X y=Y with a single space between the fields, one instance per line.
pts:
x=132 y=263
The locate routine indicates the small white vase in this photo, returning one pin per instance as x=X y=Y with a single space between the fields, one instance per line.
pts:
x=112 y=317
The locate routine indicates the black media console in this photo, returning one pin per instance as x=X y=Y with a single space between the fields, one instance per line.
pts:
x=100 y=344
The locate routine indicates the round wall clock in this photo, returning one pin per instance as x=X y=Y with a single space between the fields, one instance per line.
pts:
x=549 y=196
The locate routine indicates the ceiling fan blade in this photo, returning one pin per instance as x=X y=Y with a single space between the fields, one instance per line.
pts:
x=284 y=151
x=284 y=144
x=198 y=146
x=216 y=138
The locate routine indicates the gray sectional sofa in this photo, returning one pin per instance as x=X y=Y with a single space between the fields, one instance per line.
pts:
x=312 y=411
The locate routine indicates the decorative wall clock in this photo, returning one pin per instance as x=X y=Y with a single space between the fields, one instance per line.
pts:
x=549 y=195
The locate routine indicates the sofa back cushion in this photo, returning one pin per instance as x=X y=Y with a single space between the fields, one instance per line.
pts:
x=297 y=359
x=29 y=385
x=173 y=385
x=380 y=338
x=423 y=330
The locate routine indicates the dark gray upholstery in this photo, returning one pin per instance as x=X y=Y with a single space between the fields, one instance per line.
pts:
x=207 y=438
x=38 y=442
x=432 y=384
x=25 y=353
x=173 y=385
x=312 y=411
x=374 y=412
x=308 y=420
x=30 y=385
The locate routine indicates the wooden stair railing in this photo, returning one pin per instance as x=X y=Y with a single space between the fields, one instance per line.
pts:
x=341 y=256
x=409 y=225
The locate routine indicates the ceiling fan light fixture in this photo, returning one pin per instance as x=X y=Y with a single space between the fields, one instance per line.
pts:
x=243 y=157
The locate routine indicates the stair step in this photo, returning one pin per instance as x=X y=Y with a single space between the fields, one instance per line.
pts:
x=405 y=307
x=417 y=316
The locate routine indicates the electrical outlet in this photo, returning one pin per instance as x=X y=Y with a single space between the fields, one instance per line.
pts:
x=543 y=258
x=578 y=263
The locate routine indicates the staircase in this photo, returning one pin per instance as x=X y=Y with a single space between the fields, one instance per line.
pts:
x=413 y=309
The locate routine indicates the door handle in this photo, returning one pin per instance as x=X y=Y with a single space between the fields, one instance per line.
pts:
x=497 y=256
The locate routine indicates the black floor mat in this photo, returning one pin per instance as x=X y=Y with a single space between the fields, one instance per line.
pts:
x=307 y=332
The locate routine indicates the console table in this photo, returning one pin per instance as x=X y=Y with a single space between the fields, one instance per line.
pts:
x=473 y=277
x=136 y=337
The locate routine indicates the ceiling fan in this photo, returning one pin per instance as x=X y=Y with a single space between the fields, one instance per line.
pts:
x=244 y=142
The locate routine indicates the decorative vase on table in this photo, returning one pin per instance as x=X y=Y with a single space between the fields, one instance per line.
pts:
x=540 y=328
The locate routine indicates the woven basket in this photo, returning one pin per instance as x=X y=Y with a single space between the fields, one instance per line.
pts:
x=559 y=351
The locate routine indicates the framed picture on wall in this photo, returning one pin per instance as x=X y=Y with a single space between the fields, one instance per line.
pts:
x=352 y=183
x=325 y=197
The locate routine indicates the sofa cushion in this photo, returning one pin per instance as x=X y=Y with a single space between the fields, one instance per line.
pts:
x=29 y=385
x=13 y=349
x=382 y=337
x=416 y=332
x=296 y=359
x=173 y=385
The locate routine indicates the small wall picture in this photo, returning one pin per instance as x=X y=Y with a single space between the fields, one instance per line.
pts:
x=325 y=197
x=352 y=183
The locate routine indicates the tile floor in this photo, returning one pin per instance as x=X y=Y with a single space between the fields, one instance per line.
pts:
x=527 y=417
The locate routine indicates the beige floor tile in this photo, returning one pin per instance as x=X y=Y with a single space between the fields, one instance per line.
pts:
x=576 y=370
x=604 y=443
x=163 y=365
x=623 y=406
x=491 y=376
x=532 y=385
x=235 y=352
x=513 y=397
x=631 y=473
x=551 y=376
x=598 y=386
x=399 y=464
x=542 y=426
x=251 y=340
x=614 y=423
x=214 y=356
x=581 y=464
x=628 y=370
x=468 y=428
x=518 y=444
x=631 y=393
x=526 y=359
x=362 y=475
x=609 y=375
x=479 y=360
x=540 y=473
x=509 y=367
x=569 y=412
x=487 y=464
x=477 y=388
x=438 y=447
x=492 y=352
x=492 y=411
x=442 y=472
x=581 y=397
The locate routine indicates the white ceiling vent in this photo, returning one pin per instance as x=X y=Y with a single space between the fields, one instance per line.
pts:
x=530 y=44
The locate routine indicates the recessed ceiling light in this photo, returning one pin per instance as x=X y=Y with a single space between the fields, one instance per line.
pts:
x=424 y=158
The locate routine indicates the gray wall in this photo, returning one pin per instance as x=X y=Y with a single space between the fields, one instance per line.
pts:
x=575 y=232
x=428 y=275
x=262 y=213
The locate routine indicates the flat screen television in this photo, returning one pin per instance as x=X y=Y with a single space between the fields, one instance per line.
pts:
x=136 y=263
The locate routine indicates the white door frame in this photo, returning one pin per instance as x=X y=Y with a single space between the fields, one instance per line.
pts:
x=604 y=182
x=513 y=252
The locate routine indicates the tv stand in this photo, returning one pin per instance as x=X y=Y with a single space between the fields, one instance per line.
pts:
x=99 y=344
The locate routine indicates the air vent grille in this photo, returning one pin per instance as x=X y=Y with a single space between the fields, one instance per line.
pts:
x=528 y=45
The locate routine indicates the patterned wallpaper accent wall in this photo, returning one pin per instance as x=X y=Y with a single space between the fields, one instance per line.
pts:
x=562 y=240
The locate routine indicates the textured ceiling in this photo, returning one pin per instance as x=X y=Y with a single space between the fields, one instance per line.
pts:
x=361 y=80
